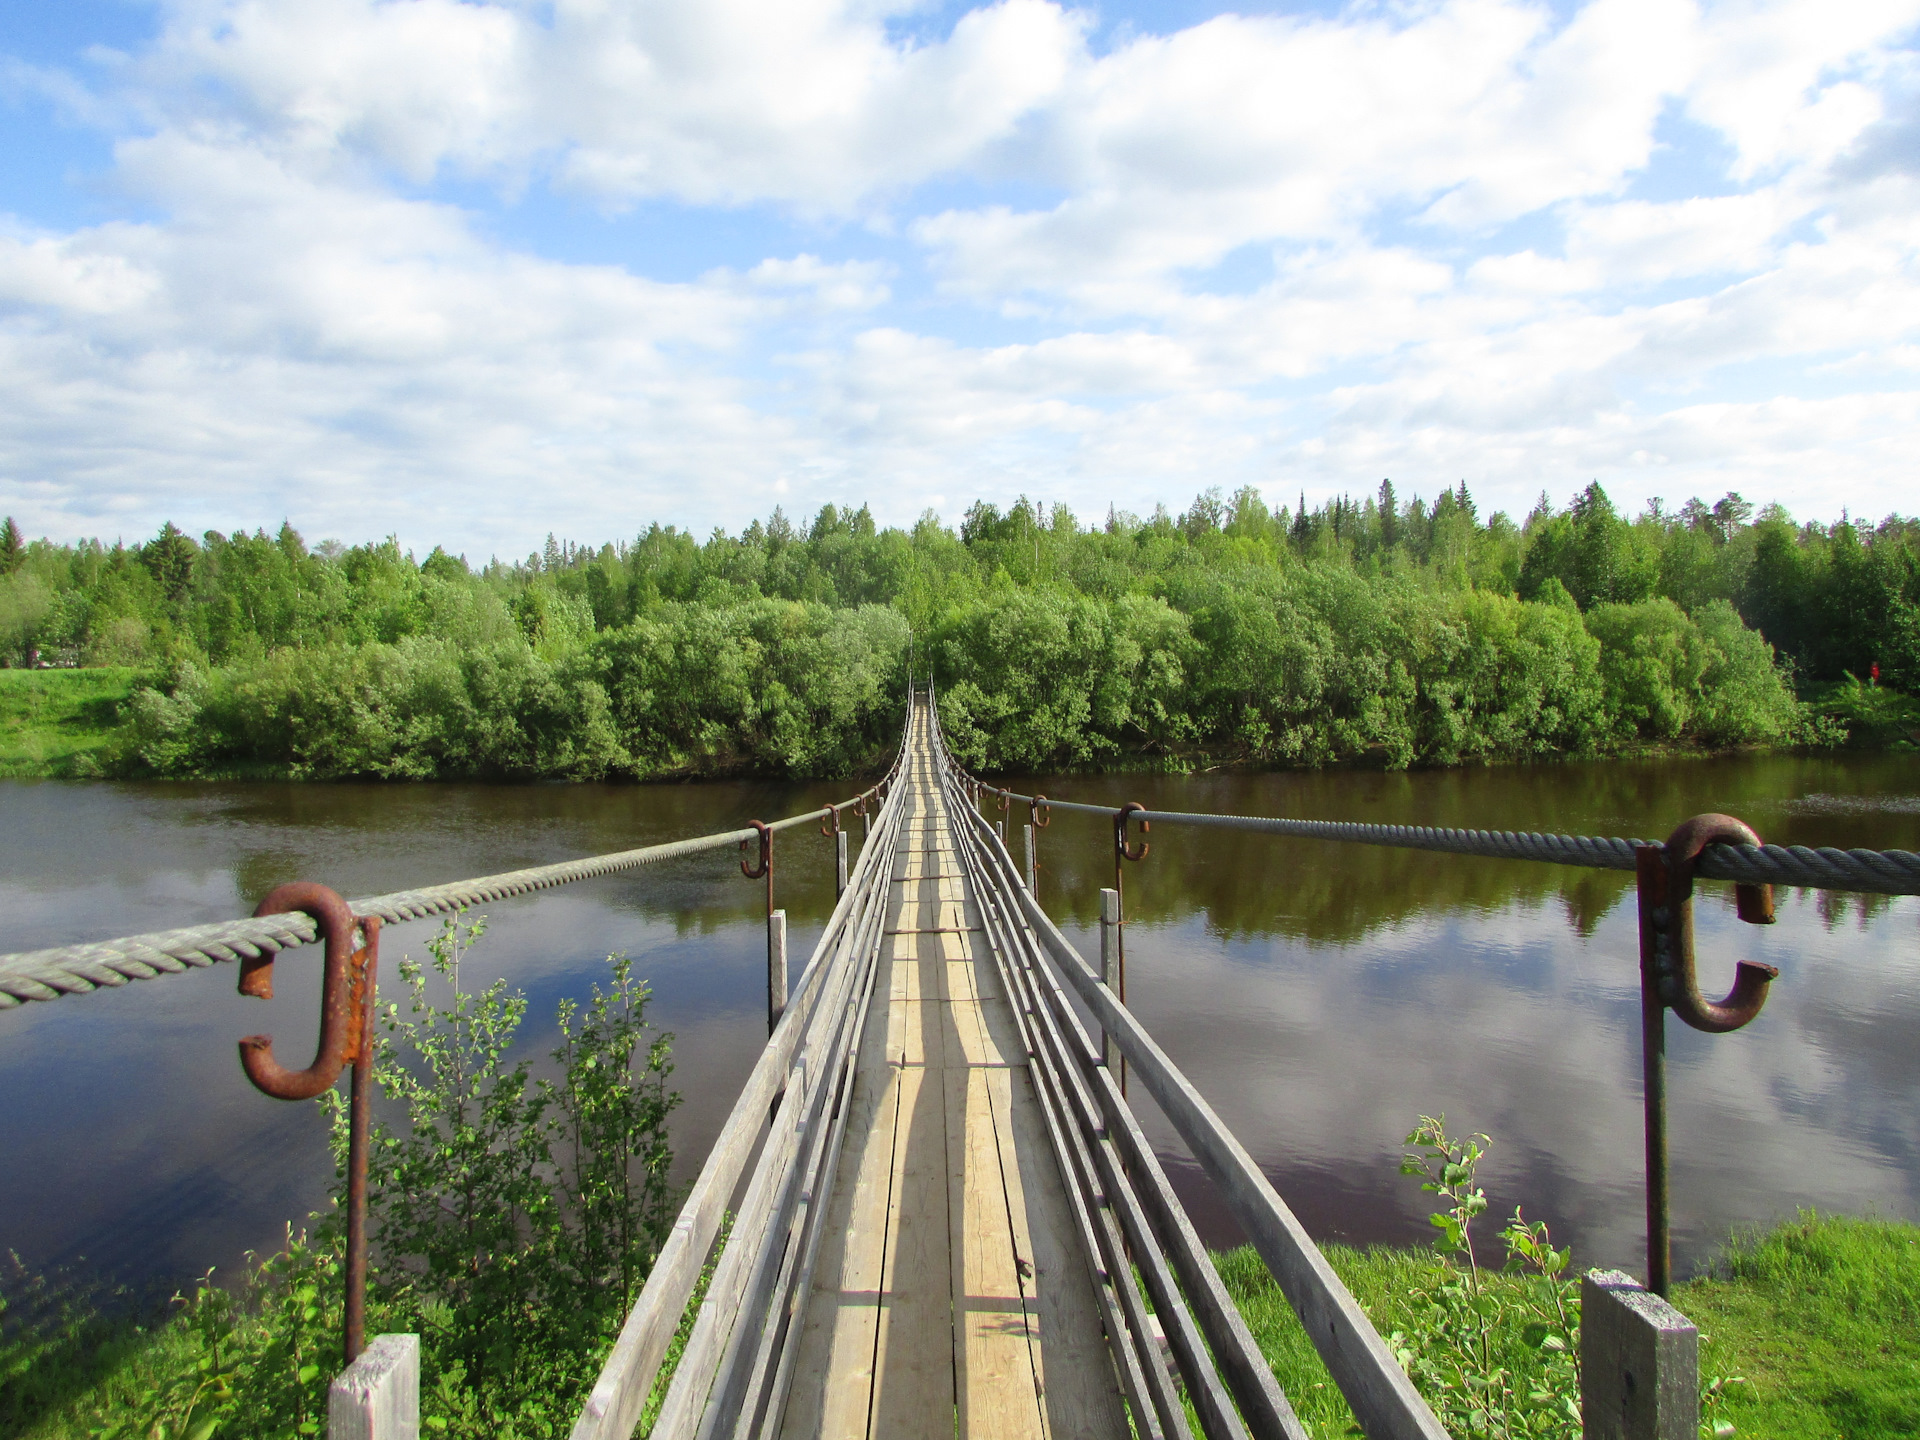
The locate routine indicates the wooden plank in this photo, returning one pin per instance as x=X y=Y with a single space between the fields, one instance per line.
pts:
x=1639 y=1362
x=1080 y=1394
x=913 y=1366
x=833 y=1376
x=378 y=1396
x=992 y=1354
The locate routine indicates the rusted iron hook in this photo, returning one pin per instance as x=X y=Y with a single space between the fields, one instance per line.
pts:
x=828 y=830
x=765 y=861
x=1036 y=808
x=341 y=1000
x=1121 y=849
x=764 y=868
x=1665 y=875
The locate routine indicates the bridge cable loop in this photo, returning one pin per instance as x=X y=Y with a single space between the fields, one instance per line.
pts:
x=1121 y=849
x=763 y=867
x=1672 y=917
x=338 y=1024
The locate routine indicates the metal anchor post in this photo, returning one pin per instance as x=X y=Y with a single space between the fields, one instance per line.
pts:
x=346 y=1038
x=1668 y=980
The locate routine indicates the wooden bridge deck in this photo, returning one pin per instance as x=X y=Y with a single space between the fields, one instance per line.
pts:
x=947 y=1220
x=951 y=1295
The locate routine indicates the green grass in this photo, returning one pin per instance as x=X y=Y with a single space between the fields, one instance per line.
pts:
x=1820 y=1317
x=59 y=723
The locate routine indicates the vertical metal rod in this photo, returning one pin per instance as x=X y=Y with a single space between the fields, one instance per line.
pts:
x=1033 y=863
x=1000 y=826
x=839 y=863
x=1110 y=965
x=1655 y=918
x=360 y=995
x=776 y=967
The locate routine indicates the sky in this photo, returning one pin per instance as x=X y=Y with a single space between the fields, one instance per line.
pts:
x=470 y=273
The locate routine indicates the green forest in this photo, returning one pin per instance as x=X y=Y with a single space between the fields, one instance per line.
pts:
x=1380 y=631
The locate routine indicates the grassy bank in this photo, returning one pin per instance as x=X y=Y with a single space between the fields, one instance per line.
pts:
x=59 y=722
x=1819 y=1317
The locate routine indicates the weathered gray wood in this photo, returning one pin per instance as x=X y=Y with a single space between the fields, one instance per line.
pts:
x=1110 y=967
x=1263 y=1407
x=378 y=1396
x=613 y=1408
x=839 y=863
x=1639 y=1363
x=777 y=967
x=1382 y=1397
x=1033 y=862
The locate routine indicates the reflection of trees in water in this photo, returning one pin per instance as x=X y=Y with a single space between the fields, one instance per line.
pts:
x=1247 y=884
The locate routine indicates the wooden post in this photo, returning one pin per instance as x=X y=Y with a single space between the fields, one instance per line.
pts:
x=1110 y=965
x=1033 y=862
x=1639 y=1363
x=378 y=1396
x=1000 y=826
x=776 y=968
x=839 y=863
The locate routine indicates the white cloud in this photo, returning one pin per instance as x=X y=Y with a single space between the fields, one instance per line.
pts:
x=1656 y=240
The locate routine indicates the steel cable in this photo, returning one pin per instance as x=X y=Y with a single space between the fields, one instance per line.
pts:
x=1878 y=872
x=76 y=969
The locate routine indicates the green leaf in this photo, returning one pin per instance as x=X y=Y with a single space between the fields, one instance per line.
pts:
x=307 y=1372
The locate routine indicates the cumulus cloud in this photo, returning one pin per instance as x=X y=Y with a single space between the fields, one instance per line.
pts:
x=1667 y=242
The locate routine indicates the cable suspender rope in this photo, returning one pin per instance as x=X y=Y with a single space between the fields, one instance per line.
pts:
x=76 y=969
x=1879 y=872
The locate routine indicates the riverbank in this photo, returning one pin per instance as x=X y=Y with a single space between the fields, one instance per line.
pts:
x=77 y=724
x=61 y=724
x=1820 y=1319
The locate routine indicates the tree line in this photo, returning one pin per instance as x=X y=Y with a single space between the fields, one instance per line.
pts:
x=1379 y=630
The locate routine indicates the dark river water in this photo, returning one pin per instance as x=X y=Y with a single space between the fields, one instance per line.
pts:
x=1321 y=996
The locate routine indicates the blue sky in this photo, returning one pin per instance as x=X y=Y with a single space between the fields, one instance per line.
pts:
x=473 y=272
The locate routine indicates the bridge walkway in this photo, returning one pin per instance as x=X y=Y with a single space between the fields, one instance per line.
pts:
x=950 y=1296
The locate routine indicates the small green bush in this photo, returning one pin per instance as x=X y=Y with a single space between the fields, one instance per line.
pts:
x=512 y=1222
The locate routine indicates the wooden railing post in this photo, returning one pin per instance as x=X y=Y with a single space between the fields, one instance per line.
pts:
x=378 y=1396
x=1033 y=863
x=1110 y=965
x=839 y=863
x=1639 y=1363
x=776 y=968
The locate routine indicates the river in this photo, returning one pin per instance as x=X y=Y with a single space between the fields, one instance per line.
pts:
x=1321 y=996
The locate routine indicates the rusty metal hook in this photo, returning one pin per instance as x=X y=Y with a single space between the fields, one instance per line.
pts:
x=765 y=861
x=828 y=831
x=339 y=1017
x=1666 y=897
x=1120 y=847
x=1006 y=800
x=1035 y=805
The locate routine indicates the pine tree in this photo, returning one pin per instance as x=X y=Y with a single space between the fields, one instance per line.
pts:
x=13 y=549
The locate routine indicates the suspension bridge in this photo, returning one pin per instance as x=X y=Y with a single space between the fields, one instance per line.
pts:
x=945 y=1216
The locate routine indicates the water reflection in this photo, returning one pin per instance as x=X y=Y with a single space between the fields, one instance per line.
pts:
x=1324 y=995
x=1320 y=995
